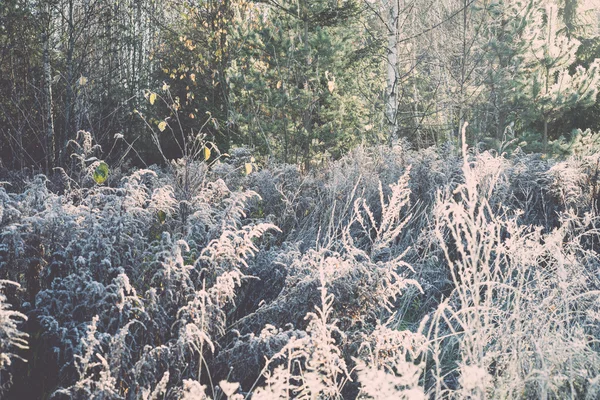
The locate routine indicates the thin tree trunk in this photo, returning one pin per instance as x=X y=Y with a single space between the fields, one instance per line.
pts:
x=49 y=137
x=223 y=63
x=415 y=92
x=463 y=65
x=501 y=125
x=307 y=115
x=391 y=95
x=545 y=138
x=70 y=97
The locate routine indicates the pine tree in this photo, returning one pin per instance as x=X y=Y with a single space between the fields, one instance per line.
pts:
x=300 y=86
x=503 y=58
x=545 y=86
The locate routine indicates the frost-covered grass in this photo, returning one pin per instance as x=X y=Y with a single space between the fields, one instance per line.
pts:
x=387 y=274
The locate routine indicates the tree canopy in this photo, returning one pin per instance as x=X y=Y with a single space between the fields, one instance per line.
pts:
x=300 y=82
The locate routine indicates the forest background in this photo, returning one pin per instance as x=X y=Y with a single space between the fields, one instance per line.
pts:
x=299 y=83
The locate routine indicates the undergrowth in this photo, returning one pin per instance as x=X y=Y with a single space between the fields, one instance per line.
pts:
x=390 y=273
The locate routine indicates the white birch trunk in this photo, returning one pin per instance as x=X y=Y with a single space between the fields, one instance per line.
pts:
x=391 y=94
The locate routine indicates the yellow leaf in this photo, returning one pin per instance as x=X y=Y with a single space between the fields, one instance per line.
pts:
x=101 y=173
x=192 y=116
x=248 y=168
x=162 y=126
x=278 y=84
x=82 y=81
x=193 y=77
x=165 y=87
x=331 y=86
x=152 y=98
x=206 y=153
